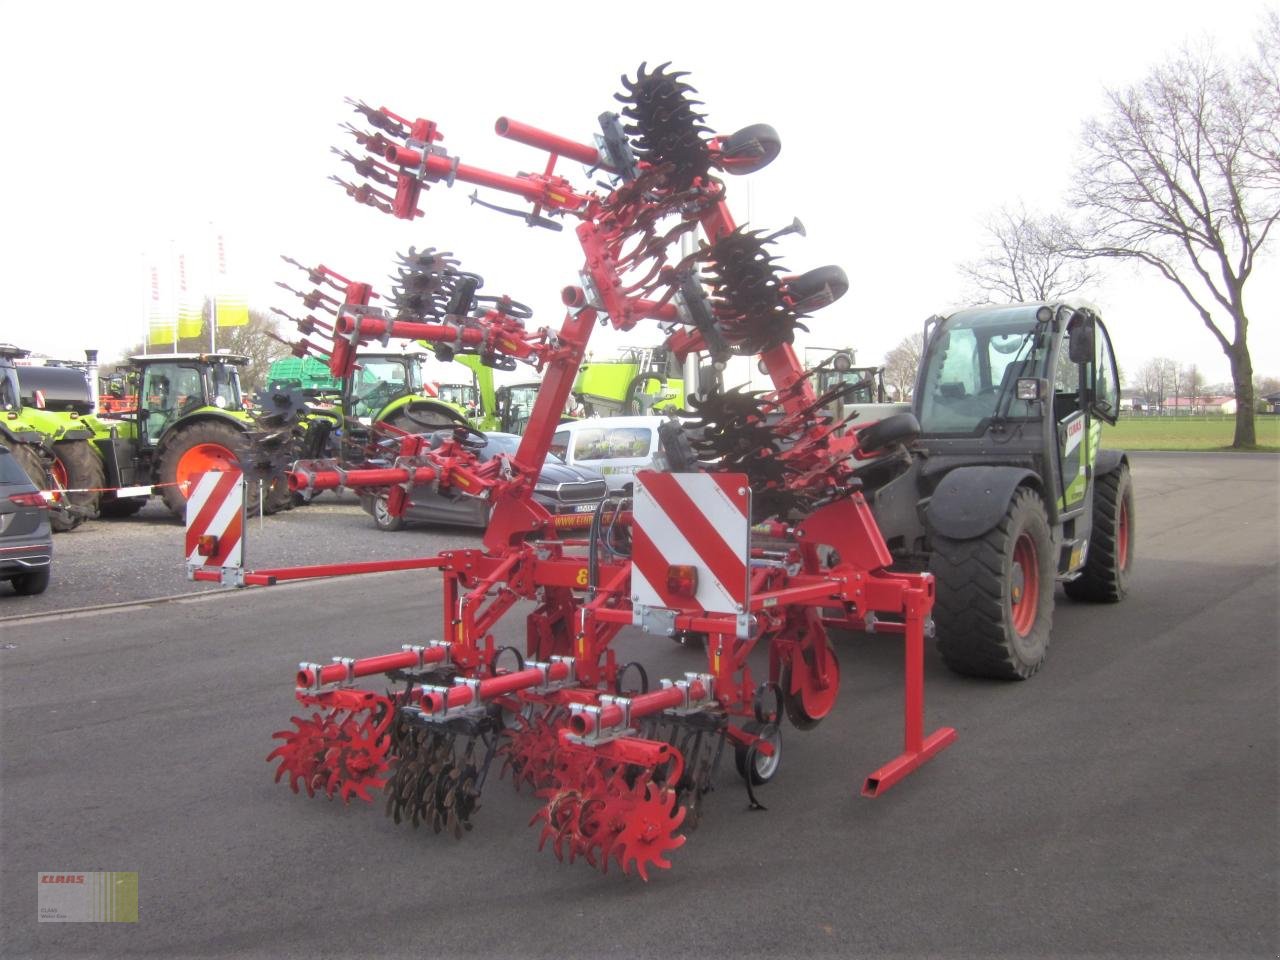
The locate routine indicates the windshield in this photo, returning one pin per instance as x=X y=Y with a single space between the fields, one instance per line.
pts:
x=9 y=392
x=828 y=379
x=508 y=443
x=376 y=383
x=972 y=366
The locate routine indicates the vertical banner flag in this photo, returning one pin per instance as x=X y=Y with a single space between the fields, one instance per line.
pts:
x=190 y=318
x=230 y=305
x=160 y=320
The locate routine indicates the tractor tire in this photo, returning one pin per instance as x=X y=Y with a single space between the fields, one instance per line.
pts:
x=121 y=507
x=77 y=467
x=994 y=605
x=28 y=458
x=422 y=421
x=197 y=448
x=1105 y=578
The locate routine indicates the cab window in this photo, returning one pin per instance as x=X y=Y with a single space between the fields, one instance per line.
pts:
x=613 y=443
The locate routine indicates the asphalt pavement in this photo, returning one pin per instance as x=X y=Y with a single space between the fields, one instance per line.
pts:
x=1121 y=803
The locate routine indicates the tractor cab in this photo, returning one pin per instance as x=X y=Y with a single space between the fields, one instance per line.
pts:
x=175 y=385
x=1026 y=383
x=10 y=391
x=378 y=380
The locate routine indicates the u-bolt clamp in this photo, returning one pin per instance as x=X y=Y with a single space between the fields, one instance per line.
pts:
x=349 y=665
x=691 y=704
x=547 y=684
x=418 y=651
x=315 y=670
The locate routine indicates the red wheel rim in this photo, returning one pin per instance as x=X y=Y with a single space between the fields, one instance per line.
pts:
x=60 y=479
x=202 y=458
x=1122 y=536
x=1024 y=596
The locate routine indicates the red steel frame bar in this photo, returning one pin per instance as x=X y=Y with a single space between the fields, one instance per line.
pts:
x=917 y=749
x=371 y=666
x=270 y=577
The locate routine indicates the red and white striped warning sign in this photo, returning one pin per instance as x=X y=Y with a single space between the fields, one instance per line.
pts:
x=215 y=520
x=691 y=520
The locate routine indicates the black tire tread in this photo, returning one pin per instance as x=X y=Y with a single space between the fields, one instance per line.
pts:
x=84 y=470
x=1102 y=580
x=186 y=437
x=969 y=607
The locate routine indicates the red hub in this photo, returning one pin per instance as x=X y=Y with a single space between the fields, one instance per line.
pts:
x=61 y=479
x=1024 y=592
x=202 y=458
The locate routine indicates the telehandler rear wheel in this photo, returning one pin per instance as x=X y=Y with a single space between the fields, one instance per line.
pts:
x=994 y=604
x=1105 y=578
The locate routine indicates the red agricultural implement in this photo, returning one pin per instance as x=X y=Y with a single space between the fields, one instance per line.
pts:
x=620 y=765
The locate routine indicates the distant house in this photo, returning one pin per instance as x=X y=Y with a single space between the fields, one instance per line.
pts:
x=1271 y=403
x=1225 y=406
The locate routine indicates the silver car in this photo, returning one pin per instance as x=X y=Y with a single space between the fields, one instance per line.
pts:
x=26 y=542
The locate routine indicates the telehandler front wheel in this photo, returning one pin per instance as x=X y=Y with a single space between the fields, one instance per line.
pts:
x=994 y=604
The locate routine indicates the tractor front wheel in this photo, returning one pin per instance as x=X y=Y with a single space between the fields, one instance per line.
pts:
x=1105 y=578
x=199 y=448
x=994 y=604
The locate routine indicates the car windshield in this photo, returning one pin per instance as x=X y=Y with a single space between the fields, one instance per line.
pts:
x=972 y=367
x=509 y=443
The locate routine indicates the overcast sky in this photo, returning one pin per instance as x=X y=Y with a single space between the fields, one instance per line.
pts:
x=133 y=127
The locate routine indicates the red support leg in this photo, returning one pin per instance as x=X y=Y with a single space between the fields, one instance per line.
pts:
x=917 y=748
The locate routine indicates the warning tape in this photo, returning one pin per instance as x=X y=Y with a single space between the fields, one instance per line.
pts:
x=119 y=491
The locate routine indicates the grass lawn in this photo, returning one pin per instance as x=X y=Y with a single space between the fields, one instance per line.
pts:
x=1187 y=433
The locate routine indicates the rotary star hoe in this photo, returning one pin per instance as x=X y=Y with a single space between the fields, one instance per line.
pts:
x=766 y=543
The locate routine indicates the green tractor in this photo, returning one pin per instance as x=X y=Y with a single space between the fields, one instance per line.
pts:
x=640 y=381
x=389 y=388
x=46 y=419
x=994 y=480
x=189 y=418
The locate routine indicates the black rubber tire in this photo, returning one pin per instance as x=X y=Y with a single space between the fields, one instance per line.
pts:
x=423 y=420
x=890 y=431
x=762 y=769
x=974 y=610
x=764 y=144
x=204 y=431
x=382 y=519
x=84 y=470
x=818 y=288
x=123 y=507
x=1105 y=578
x=30 y=584
x=29 y=459
x=28 y=456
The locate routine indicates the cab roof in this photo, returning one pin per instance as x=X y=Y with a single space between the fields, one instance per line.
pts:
x=238 y=359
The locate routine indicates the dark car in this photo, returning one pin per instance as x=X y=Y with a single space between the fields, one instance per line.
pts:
x=26 y=542
x=569 y=494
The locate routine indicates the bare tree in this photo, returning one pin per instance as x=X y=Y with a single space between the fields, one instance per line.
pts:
x=1182 y=175
x=901 y=364
x=1022 y=261
x=1191 y=384
x=1156 y=379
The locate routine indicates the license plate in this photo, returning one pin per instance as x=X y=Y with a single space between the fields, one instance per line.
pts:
x=585 y=508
